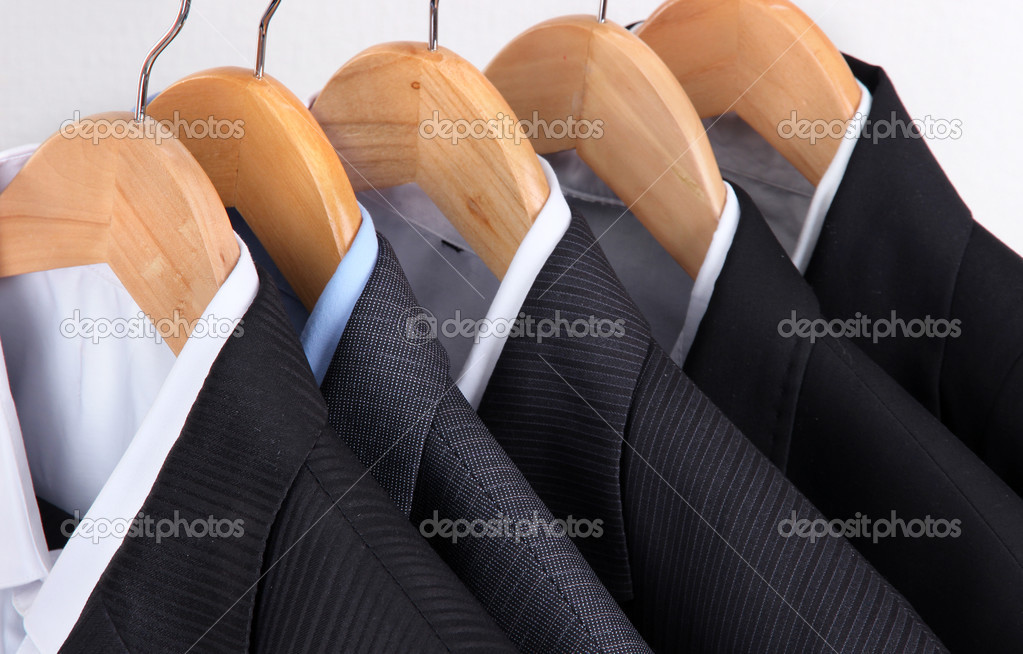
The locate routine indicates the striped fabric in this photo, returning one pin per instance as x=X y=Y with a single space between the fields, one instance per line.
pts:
x=324 y=562
x=391 y=398
x=609 y=428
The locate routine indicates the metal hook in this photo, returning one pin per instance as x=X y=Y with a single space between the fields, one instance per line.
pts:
x=147 y=67
x=433 y=25
x=602 y=13
x=264 y=24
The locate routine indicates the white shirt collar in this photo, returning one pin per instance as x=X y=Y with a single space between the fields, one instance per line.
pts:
x=703 y=287
x=24 y=557
x=829 y=184
x=51 y=599
x=543 y=237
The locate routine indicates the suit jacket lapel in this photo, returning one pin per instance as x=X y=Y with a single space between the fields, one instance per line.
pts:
x=575 y=286
x=399 y=389
x=893 y=194
x=765 y=375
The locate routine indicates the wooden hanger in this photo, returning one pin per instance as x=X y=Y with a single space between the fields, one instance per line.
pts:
x=763 y=59
x=378 y=111
x=653 y=151
x=134 y=199
x=278 y=169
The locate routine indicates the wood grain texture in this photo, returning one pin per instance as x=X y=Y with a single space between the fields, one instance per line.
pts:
x=763 y=59
x=139 y=203
x=374 y=110
x=276 y=167
x=653 y=151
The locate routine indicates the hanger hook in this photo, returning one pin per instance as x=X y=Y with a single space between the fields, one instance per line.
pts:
x=261 y=48
x=433 y=25
x=147 y=67
x=602 y=12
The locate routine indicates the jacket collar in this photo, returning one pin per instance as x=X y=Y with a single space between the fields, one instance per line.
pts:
x=896 y=198
x=757 y=292
x=386 y=379
x=241 y=448
x=582 y=388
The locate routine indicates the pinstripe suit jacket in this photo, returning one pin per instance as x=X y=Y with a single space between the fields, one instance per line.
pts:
x=611 y=428
x=391 y=398
x=325 y=563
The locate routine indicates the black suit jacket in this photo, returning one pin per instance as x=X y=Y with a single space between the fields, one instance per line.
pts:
x=855 y=442
x=610 y=428
x=325 y=563
x=899 y=239
x=391 y=397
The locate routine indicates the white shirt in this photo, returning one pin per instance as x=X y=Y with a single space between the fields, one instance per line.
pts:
x=84 y=424
x=550 y=227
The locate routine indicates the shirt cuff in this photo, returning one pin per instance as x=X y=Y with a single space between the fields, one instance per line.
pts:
x=703 y=288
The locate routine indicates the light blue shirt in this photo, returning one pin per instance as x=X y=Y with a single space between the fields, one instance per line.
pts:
x=322 y=329
x=330 y=316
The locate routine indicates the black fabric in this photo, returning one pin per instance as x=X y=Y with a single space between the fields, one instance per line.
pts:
x=391 y=398
x=296 y=311
x=609 y=428
x=855 y=442
x=324 y=564
x=898 y=238
x=57 y=524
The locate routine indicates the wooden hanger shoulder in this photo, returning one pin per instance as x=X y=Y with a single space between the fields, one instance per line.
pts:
x=635 y=126
x=395 y=113
x=765 y=60
x=136 y=200
x=268 y=157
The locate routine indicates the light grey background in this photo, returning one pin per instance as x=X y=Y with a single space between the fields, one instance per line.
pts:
x=949 y=59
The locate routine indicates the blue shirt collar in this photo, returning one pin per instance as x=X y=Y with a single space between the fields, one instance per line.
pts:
x=330 y=315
